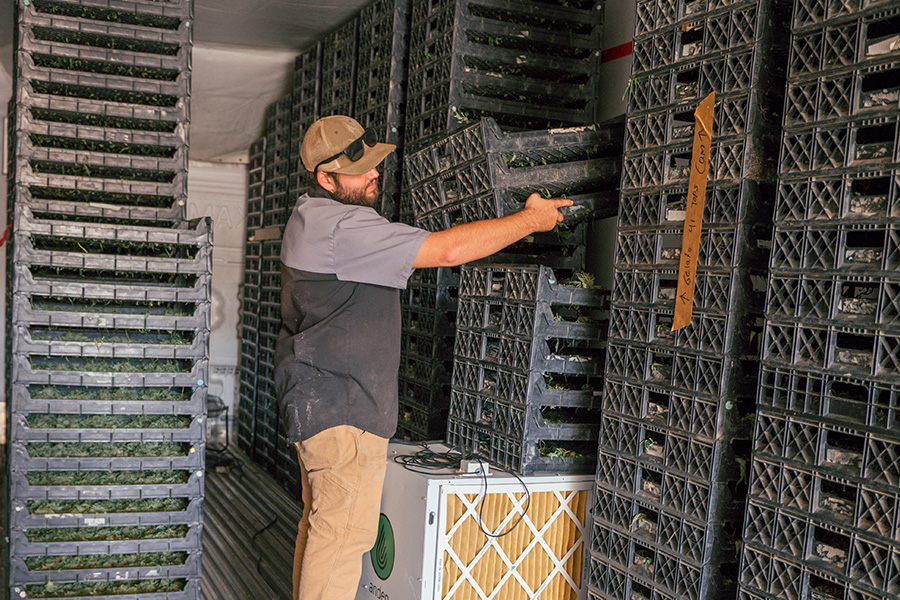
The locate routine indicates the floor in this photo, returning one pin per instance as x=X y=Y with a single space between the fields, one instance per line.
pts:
x=248 y=534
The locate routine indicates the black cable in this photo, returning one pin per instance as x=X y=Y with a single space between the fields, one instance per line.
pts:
x=426 y=461
x=484 y=495
x=259 y=557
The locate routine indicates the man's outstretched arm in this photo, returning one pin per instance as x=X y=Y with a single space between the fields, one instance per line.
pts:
x=472 y=241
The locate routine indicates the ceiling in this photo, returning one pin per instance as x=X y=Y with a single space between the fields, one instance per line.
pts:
x=242 y=60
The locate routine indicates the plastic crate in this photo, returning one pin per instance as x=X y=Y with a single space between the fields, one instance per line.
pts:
x=481 y=172
x=854 y=402
x=56 y=244
x=157 y=13
x=867 y=249
x=517 y=399
x=424 y=407
x=489 y=71
x=26 y=373
x=380 y=95
x=192 y=459
x=22 y=490
x=339 y=64
x=22 y=575
x=851 y=197
x=863 y=35
x=245 y=419
x=25 y=400
x=53 y=342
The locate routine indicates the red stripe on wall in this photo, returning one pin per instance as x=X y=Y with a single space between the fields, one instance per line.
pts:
x=615 y=52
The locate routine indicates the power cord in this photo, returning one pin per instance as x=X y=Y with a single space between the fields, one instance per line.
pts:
x=426 y=461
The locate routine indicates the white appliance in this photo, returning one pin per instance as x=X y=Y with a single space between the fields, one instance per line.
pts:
x=432 y=543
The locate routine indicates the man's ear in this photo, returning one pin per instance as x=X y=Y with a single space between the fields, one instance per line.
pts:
x=326 y=180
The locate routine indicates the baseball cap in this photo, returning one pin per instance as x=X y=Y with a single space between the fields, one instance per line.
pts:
x=326 y=140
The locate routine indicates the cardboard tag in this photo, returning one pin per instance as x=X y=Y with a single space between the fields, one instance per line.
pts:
x=693 y=219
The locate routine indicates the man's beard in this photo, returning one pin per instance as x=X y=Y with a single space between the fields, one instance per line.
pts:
x=354 y=197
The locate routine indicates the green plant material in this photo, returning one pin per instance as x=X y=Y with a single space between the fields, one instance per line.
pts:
x=176 y=338
x=104 y=561
x=102 y=305
x=104 y=94
x=111 y=198
x=105 y=534
x=111 y=365
x=107 y=477
x=582 y=279
x=105 y=588
x=56 y=421
x=69 y=9
x=648 y=444
x=742 y=464
x=106 y=121
x=51 y=141
x=104 y=68
x=70 y=507
x=106 y=449
x=111 y=394
x=106 y=276
x=88 y=245
x=566 y=449
x=637 y=518
x=46 y=216
x=102 y=172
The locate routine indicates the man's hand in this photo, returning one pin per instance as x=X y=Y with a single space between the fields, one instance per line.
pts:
x=544 y=213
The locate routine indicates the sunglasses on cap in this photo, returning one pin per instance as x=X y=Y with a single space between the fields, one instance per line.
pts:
x=355 y=150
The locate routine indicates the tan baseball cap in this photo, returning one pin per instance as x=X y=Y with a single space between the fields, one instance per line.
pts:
x=329 y=137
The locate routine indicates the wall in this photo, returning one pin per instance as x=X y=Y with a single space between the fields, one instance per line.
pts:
x=220 y=191
x=615 y=71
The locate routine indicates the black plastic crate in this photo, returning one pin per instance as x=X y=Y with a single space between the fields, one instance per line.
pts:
x=521 y=389
x=468 y=60
x=650 y=567
x=63 y=342
x=482 y=172
x=837 y=247
x=698 y=31
x=82 y=201
x=830 y=149
x=245 y=421
x=862 y=35
x=106 y=401
x=380 y=95
x=108 y=247
x=62 y=311
x=23 y=575
x=339 y=66
x=863 y=403
x=32 y=374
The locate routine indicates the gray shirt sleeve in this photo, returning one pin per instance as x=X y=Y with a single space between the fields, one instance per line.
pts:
x=370 y=249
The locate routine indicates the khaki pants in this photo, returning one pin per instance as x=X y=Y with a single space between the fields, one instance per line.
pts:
x=342 y=472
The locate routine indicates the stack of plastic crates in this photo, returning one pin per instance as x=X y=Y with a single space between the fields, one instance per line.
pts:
x=428 y=318
x=678 y=405
x=109 y=293
x=529 y=64
x=824 y=513
x=381 y=87
x=304 y=112
x=482 y=172
x=250 y=297
x=339 y=59
x=276 y=204
x=527 y=369
x=478 y=173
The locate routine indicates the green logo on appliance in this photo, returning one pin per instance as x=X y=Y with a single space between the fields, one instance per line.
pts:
x=383 y=551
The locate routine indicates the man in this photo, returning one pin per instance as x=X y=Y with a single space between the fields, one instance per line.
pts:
x=338 y=353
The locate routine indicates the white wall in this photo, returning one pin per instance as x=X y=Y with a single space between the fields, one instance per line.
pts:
x=5 y=95
x=220 y=191
x=618 y=30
